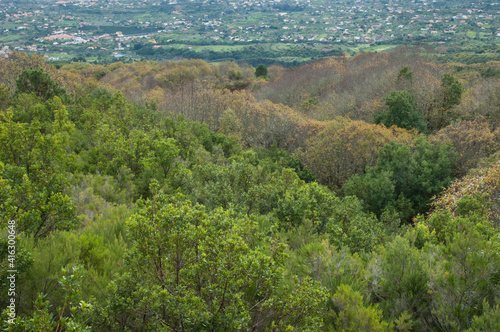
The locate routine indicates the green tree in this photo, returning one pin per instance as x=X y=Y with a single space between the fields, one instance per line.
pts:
x=190 y=270
x=261 y=71
x=40 y=83
x=307 y=203
x=375 y=189
x=405 y=73
x=400 y=278
x=73 y=315
x=466 y=275
x=35 y=210
x=33 y=175
x=465 y=264
x=23 y=261
x=351 y=314
x=353 y=228
x=451 y=95
x=4 y=96
x=452 y=91
x=405 y=178
x=488 y=321
x=401 y=112
x=419 y=172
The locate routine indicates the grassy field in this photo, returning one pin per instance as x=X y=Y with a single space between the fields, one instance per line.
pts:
x=471 y=34
x=219 y=48
x=276 y=47
x=9 y=38
x=369 y=48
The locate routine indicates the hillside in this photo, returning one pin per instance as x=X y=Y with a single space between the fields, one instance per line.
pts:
x=288 y=32
x=347 y=194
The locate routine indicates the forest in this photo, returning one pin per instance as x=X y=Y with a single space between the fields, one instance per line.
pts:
x=355 y=193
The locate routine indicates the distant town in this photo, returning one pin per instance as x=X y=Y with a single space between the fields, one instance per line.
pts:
x=103 y=31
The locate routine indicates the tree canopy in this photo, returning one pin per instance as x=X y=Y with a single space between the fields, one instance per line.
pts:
x=401 y=112
x=154 y=196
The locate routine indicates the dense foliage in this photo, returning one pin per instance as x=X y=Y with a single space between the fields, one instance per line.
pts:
x=199 y=207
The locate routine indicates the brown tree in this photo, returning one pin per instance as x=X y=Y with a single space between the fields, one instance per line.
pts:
x=472 y=140
x=346 y=147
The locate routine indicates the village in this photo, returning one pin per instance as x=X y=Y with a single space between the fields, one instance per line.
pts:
x=79 y=28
